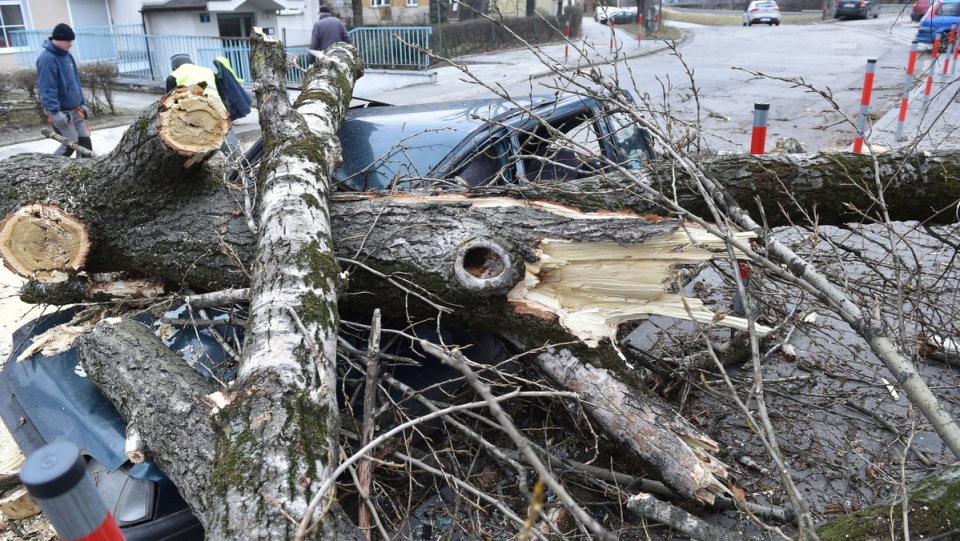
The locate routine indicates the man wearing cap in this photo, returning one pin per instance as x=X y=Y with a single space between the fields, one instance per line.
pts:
x=327 y=31
x=60 y=92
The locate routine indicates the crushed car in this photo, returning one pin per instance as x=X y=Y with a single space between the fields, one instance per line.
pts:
x=46 y=397
x=484 y=142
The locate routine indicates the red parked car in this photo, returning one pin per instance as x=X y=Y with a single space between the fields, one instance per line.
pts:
x=919 y=10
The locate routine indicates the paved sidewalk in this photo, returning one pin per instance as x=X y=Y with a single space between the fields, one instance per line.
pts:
x=932 y=120
x=500 y=68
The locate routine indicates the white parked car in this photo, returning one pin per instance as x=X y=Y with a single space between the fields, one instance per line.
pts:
x=618 y=14
x=762 y=12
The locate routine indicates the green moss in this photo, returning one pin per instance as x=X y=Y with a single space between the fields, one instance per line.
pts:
x=306 y=428
x=311 y=200
x=934 y=509
x=303 y=435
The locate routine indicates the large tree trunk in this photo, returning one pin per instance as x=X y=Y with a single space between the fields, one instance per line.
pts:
x=144 y=215
x=275 y=436
x=500 y=260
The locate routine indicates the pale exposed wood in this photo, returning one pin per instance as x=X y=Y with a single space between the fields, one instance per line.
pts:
x=43 y=242
x=133 y=446
x=593 y=287
x=19 y=505
x=10 y=459
x=78 y=289
x=49 y=134
x=647 y=506
x=192 y=123
x=678 y=451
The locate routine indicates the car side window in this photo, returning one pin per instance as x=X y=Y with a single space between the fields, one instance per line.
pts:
x=486 y=168
x=564 y=149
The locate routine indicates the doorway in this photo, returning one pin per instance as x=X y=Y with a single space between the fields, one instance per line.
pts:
x=235 y=25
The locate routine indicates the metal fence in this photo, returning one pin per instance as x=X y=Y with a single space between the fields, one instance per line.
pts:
x=146 y=57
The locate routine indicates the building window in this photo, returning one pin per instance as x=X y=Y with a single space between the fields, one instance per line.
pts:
x=413 y=3
x=379 y=3
x=11 y=18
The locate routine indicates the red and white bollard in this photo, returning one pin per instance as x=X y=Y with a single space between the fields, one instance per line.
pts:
x=639 y=28
x=746 y=271
x=864 y=104
x=566 y=37
x=758 y=141
x=56 y=477
x=946 y=61
x=905 y=96
x=928 y=88
x=956 y=52
x=613 y=33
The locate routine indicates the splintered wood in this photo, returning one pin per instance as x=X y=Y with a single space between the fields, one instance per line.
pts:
x=43 y=242
x=192 y=122
x=594 y=287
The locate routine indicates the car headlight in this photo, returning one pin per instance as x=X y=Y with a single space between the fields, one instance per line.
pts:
x=129 y=499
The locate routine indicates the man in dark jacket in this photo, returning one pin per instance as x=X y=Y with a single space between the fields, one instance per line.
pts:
x=327 y=31
x=60 y=92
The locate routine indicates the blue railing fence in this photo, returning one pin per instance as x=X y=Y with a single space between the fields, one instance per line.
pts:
x=146 y=57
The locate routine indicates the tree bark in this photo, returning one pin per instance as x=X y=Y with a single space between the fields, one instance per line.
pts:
x=284 y=416
x=162 y=397
x=514 y=265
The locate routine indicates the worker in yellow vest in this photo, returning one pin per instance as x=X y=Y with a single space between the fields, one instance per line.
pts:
x=186 y=73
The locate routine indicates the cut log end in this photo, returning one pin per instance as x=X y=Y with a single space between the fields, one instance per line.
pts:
x=42 y=242
x=192 y=122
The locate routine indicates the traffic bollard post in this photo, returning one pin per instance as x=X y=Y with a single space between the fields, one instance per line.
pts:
x=946 y=61
x=613 y=33
x=864 y=105
x=905 y=95
x=566 y=37
x=759 y=139
x=639 y=28
x=956 y=52
x=56 y=477
x=928 y=87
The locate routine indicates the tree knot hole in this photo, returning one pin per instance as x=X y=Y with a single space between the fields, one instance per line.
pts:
x=484 y=265
x=482 y=262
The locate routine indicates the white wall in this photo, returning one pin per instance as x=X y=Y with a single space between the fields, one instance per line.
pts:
x=89 y=13
x=183 y=23
x=125 y=12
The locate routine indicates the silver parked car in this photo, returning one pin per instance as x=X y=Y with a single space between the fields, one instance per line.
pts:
x=762 y=12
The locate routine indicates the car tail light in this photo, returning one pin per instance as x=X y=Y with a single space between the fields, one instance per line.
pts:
x=863 y=3
x=776 y=9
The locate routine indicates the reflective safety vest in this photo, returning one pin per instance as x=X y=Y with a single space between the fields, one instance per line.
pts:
x=226 y=63
x=191 y=74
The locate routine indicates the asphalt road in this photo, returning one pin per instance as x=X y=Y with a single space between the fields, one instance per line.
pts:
x=718 y=73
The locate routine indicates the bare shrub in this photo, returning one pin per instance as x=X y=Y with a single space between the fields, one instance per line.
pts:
x=483 y=34
x=25 y=81
x=99 y=78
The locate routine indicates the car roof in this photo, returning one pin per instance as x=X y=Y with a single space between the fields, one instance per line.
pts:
x=385 y=142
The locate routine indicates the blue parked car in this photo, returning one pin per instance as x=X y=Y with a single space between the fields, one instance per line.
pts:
x=944 y=15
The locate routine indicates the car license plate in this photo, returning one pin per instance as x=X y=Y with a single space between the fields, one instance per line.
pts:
x=765 y=20
x=849 y=5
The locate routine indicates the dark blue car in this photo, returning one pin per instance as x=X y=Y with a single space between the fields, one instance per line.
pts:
x=938 y=22
x=484 y=142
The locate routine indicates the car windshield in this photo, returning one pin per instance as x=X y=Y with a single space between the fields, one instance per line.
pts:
x=951 y=9
x=631 y=141
x=387 y=147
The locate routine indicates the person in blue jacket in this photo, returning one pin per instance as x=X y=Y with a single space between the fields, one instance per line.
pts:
x=61 y=95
